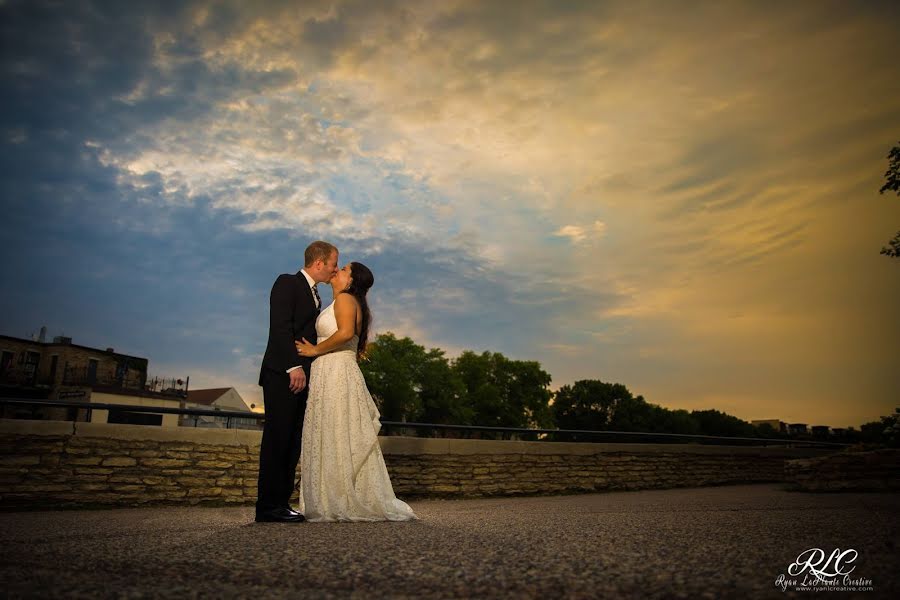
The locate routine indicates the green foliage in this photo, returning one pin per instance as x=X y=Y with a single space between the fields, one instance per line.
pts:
x=409 y=383
x=884 y=432
x=587 y=404
x=892 y=184
x=504 y=392
x=635 y=414
x=892 y=175
x=677 y=421
x=393 y=372
x=893 y=247
x=767 y=431
x=714 y=422
x=443 y=394
x=597 y=405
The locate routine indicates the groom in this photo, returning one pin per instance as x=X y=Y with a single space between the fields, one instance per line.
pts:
x=294 y=305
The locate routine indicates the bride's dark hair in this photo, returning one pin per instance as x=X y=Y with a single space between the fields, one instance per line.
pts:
x=362 y=280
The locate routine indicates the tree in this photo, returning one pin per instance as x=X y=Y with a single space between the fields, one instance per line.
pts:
x=409 y=383
x=714 y=422
x=586 y=404
x=678 y=421
x=765 y=430
x=892 y=183
x=503 y=392
x=885 y=431
x=442 y=392
x=633 y=413
x=600 y=406
x=392 y=369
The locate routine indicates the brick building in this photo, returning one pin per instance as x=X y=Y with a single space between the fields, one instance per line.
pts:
x=44 y=369
x=61 y=370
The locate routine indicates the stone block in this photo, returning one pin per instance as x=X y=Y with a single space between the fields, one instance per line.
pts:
x=83 y=460
x=164 y=462
x=195 y=482
x=93 y=487
x=443 y=488
x=41 y=488
x=230 y=481
x=145 y=453
x=119 y=461
x=128 y=488
x=205 y=492
x=181 y=447
x=186 y=456
x=89 y=477
x=19 y=460
x=78 y=450
x=203 y=473
x=213 y=464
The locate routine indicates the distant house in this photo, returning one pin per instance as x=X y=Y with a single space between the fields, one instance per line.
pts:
x=821 y=430
x=798 y=428
x=224 y=398
x=134 y=398
x=218 y=399
x=211 y=399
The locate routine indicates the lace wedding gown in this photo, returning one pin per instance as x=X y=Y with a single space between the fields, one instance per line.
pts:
x=342 y=472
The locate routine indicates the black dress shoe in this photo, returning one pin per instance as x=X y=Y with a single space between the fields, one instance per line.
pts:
x=294 y=512
x=279 y=515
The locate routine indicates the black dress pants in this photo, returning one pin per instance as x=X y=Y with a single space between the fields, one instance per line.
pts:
x=279 y=451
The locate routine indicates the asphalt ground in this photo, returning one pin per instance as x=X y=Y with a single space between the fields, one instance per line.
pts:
x=712 y=542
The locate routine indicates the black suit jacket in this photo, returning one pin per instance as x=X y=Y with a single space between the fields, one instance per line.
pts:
x=292 y=315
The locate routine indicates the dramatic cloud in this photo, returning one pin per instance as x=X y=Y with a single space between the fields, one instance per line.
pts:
x=578 y=234
x=681 y=200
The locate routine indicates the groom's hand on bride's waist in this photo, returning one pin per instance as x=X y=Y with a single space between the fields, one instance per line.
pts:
x=298 y=380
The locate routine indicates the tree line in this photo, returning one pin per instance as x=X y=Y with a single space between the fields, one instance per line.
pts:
x=410 y=383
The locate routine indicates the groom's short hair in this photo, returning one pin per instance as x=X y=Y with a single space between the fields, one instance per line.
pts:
x=317 y=251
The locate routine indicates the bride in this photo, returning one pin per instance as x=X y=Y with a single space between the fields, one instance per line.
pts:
x=342 y=472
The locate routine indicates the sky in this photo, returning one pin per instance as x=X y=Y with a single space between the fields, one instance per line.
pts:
x=679 y=197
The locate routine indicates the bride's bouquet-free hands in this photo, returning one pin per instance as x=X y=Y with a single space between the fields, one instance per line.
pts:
x=304 y=348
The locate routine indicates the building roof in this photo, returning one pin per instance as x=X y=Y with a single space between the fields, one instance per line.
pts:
x=69 y=344
x=206 y=397
x=121 y=391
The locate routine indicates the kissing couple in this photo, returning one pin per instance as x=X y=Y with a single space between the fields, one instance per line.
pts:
x=318 y=409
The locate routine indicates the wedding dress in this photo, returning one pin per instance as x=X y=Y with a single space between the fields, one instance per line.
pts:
x=342 y=472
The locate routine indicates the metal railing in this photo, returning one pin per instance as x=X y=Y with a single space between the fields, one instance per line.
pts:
x=608 y=436
x=581 y=435
x=228 y=415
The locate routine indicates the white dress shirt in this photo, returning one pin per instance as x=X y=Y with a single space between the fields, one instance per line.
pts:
x=311 y=282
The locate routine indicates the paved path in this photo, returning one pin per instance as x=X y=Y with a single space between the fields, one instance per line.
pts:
x=719 y=542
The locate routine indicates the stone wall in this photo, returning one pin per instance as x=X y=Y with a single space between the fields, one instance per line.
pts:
x=56 y=464
x=874 y=470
